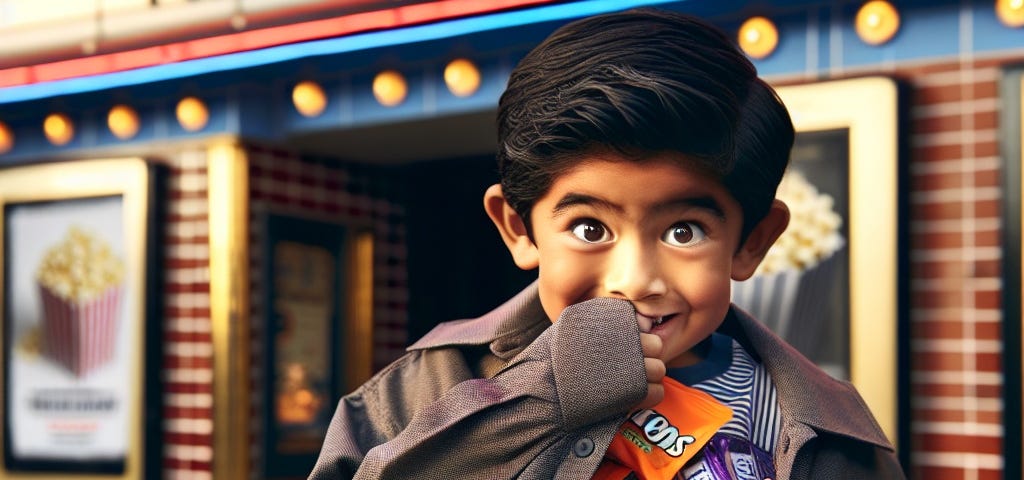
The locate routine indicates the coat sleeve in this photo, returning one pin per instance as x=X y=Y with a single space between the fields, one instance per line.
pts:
x=549 y=414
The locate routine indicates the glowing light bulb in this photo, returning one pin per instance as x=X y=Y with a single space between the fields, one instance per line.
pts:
x=389 y=88
x=192 y=114
x=59 y=129
x=6 y=138
x=758 y=37
x=877 y=22
x=123 y=122
x=309 y=99
x=462 y=77
x=1010 y=12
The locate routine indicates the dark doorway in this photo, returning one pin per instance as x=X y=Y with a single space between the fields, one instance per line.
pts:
x=458 y=265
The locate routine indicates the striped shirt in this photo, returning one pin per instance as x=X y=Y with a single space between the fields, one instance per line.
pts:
x=733 y=377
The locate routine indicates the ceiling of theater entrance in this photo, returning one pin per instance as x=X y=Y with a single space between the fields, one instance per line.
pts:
x=411 y=141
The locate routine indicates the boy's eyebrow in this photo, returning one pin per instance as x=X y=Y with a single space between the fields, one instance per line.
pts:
x=572 y=199
x=704 y=202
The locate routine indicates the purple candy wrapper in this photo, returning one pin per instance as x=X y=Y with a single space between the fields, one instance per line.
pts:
x=729 y=458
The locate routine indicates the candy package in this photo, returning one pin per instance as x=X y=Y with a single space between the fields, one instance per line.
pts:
x=655 y=443
x=729 y=458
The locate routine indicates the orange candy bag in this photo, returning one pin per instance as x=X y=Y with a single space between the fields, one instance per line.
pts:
x=655 y=443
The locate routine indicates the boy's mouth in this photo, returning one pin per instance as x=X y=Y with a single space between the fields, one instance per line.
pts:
x=650 y=322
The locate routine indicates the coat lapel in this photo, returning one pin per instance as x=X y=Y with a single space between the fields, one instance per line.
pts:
x=811 y=401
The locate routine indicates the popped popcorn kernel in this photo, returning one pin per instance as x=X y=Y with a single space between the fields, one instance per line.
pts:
x=813 y=232
x=80 y=267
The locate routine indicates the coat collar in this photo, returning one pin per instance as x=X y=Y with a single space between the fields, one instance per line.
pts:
x=507 y=329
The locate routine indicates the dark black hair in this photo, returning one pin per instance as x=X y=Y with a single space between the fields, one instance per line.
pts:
x=641 y=82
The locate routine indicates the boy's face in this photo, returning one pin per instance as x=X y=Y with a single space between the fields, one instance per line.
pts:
x=656 y=233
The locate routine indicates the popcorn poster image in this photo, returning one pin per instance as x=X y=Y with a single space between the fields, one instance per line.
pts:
x=67 y=331
x=801 y=289
x=790 y=289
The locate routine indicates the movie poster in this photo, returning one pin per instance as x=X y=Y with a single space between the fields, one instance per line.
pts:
x=68 y=342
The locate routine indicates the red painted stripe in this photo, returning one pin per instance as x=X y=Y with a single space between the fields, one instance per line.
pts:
x=255 y=39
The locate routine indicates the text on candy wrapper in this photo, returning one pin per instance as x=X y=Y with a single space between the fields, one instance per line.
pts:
x=659 y=431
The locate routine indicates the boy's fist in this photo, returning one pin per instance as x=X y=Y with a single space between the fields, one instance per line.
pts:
x=655 y=368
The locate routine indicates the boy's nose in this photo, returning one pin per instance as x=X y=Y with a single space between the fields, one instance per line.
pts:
x=634 y=273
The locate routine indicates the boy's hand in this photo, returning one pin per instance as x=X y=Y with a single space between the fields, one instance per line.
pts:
x=655 y=368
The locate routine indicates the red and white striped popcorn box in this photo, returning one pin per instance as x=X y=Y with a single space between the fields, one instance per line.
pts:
x=81 y=336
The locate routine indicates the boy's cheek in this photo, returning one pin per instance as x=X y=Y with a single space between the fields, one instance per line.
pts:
x=565 y=272
x=710 y=291
x=555 y=299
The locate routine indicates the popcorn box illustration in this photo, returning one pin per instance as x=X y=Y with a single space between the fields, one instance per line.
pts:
x=80 y=282
x=790 y=290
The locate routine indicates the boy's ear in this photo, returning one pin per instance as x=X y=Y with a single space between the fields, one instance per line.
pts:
x=512 y=229
x=760 y=239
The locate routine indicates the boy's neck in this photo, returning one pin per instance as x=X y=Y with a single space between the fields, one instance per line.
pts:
x=693 y=356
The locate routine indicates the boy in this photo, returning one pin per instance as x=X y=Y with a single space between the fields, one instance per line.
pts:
x=639 y=156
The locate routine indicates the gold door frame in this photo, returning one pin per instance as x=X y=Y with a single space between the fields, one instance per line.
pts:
x=228 y=170
x=228 y=193
x=868 y=109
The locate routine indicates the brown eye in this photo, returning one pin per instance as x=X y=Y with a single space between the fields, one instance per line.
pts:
x=683 y=234
x=590 y=232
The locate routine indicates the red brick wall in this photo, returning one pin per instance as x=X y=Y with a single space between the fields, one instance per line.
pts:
x=284 y=182
x=954 y=233
x=188 y=358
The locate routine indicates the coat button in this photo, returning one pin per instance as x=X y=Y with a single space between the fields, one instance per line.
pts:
x=583 y=447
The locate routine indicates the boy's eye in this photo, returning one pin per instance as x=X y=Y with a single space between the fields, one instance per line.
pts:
x=683 y=234
x=590 y=231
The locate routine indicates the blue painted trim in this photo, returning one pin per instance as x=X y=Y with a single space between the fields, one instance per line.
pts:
x=331 y=46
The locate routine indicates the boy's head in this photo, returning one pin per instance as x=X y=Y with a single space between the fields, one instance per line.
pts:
x=589 y=116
